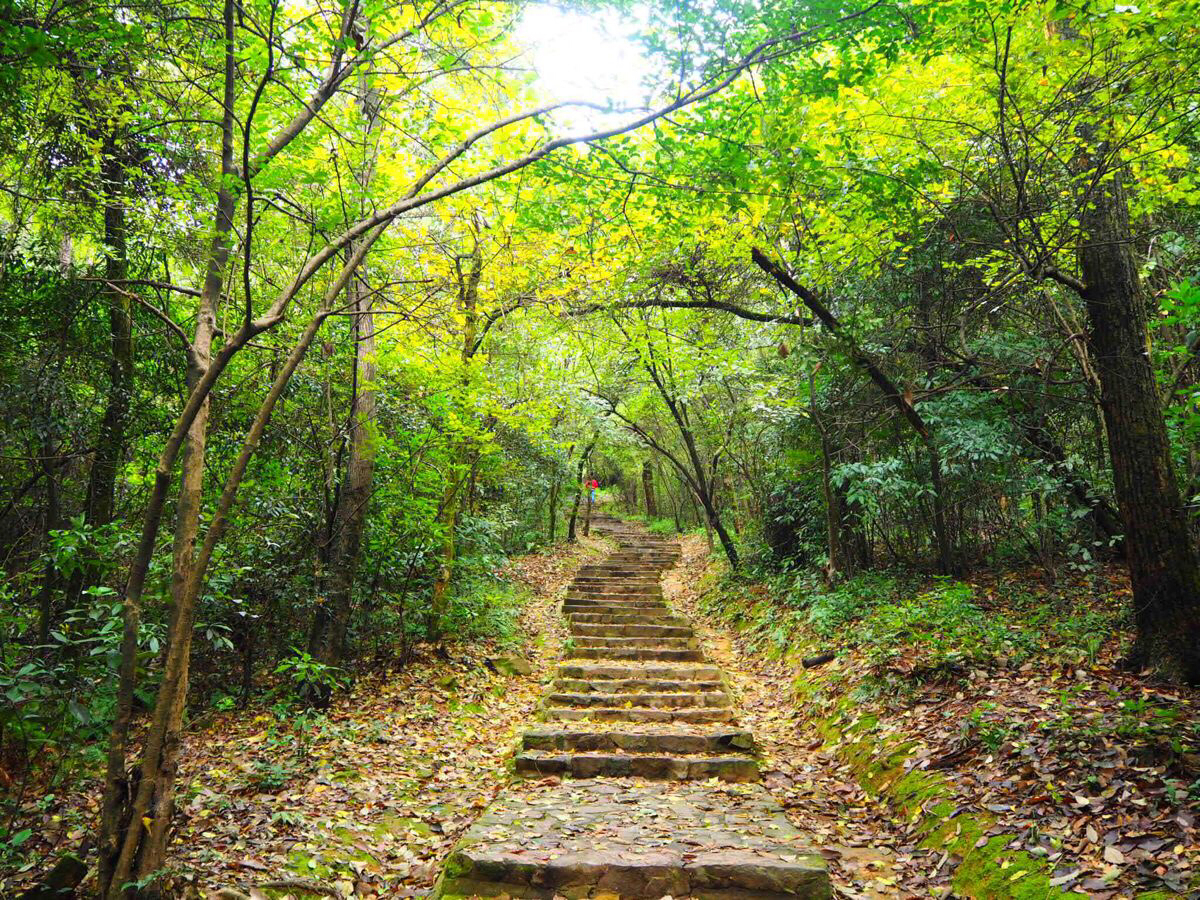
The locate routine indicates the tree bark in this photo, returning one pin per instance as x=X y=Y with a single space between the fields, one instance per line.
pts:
x=349 y=521
x=555 y=488
x=111 y=443
x=468 y=297
x=833 y=512
x=1163 y=567
x=571 y=538
x=648 y=489
x=353 y=499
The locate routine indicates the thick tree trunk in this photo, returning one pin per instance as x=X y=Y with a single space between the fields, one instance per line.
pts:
x=648 y=490
x=1163 y=566
x=110 y=445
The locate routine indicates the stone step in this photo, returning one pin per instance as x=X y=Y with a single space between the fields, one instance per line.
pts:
x=634 y=685
x=623 y=571
x=643 y=608
x=633 y=839
x=682 y=740
x=646 y=599
x=694 y=714
x=583 y=606
x=620 y=765
x=594 y=671
x=638 y=642
x=651 y=700
x=637 y=653
x=605 y=581
x=610 y=608
x=615 y=582
x=625 y=618
x=648 y=602
x=576 y=593
x=588 y=629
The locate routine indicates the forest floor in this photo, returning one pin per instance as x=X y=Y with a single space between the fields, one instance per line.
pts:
x=1074 y=768
x=365 y=798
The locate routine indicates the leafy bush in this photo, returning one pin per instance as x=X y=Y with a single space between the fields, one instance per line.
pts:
x=485 y=609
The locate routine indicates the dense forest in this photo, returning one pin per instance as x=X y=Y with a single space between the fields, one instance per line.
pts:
x=318 y=316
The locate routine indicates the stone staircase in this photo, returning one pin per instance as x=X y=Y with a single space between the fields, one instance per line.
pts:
x=639 y=781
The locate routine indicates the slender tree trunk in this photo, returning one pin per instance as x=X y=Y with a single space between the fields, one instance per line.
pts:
x=110 y=446
x=468 y=296
x=941 y=532
x=1163 y=566
x=52 y=518
x=583 y=458
x=354 y=497
x=353 y=500
x=555 y=489
x=648 y=489
x=552 y=504
x=889 y=390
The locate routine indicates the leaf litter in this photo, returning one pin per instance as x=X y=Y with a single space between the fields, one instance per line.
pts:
x=1058 y=756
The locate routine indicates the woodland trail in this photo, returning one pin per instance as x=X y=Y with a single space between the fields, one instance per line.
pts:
x=641 y=784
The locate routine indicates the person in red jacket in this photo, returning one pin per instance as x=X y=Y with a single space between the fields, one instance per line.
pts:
x=592 y=486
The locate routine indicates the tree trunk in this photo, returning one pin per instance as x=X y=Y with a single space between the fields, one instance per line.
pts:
x=833 y=511
x=583 y=458
x=555 y=488
x=1163 y=567
x=889 y=390
x=468 y=295
x=110 y=445
x=648 y=490
x=353 y=499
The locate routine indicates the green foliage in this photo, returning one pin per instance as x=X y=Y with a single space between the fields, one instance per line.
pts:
x=915 y=627
x=307 y=674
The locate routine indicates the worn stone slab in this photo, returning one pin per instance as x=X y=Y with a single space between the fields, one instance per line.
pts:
x=638 y=714
x=702 y=672
x=634 y=838
x=659 y=700
x=588 y=629
x=636 y=653
x=640 y=737
x=677 y=767
x=635 y=685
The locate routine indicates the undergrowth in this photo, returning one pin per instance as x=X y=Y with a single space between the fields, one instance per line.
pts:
x=909 y=623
